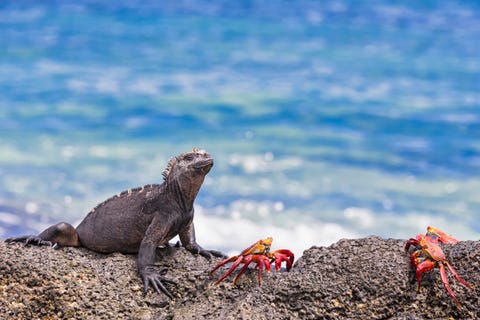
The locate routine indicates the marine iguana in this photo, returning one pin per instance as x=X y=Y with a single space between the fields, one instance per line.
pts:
x=141 y=219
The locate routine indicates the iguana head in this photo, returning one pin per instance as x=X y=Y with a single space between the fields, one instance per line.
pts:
x=189 y=167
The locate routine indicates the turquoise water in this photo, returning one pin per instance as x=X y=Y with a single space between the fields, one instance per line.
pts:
x=326 y=119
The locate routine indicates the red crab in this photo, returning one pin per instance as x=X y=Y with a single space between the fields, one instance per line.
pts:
x=259 y=252
x=428 y=254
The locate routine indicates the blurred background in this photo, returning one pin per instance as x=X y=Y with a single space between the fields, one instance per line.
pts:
x=326 y=119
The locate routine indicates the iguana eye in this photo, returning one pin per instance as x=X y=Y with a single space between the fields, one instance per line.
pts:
x=189 y=157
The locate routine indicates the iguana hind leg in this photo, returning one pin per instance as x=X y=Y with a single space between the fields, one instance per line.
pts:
x=59 y=235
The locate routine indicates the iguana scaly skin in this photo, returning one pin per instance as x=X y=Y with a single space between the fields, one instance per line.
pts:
x=141 y=219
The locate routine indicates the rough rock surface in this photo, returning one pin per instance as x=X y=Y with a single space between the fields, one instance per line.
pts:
x=368 y=278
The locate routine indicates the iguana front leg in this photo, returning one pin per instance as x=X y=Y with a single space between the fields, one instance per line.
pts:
x=155 y=234
x=187 y=237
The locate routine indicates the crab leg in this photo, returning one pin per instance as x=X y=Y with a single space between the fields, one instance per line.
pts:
x=262 y=261
x=446 y=284
x=411 y=242
x=260 y=264
x=247 y=261
x=465 y=283
x=223 y=263
x=234 y=265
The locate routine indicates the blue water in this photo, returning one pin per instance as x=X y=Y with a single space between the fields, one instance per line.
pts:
x=326 y=119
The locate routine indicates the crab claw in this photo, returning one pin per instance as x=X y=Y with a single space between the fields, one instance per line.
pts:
x=440 y=236
x=283 y=255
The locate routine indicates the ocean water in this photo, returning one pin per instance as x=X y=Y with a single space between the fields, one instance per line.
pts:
x=326 y=119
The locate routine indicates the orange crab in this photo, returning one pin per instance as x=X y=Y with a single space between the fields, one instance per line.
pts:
x=428 y=254
x=259 y=253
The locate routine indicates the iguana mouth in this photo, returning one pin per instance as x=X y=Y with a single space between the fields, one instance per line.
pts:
x=203 y=164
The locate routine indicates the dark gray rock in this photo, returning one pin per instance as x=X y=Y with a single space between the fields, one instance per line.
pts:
x=368 y=278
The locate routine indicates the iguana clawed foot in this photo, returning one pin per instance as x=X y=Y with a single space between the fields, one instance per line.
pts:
x=196 y=249
x=156 y=280
x=209 y=253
